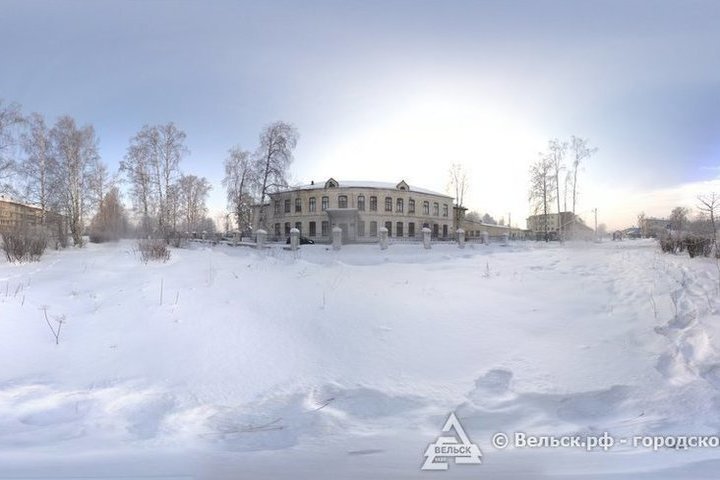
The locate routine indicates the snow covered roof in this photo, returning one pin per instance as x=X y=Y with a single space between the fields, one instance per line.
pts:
x=332 y=183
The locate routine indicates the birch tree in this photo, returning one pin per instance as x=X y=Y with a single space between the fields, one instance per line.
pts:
x=542 y=189
x=152 y=166
x=75 y=150
x=169 y=147
x=458 y=182
x=192 y=197
x=38 y=168
x=580 y=151
x=240 y=182
x=137 y=168
x=11 y=120
x=556 y=160
x=273 y=159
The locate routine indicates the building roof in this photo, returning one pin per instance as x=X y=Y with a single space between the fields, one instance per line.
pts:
x=9 y=199
x=366 y=184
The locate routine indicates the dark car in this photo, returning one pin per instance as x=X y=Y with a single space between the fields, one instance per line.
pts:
x=303 y=241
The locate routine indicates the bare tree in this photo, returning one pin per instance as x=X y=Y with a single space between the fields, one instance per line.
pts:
x=678 y=219
x=542 y=189
x=273 y=158
x=110 y=222
x=240 y=181
x=38 y=169
x=10 y=121
x=580 y=151
x=75 y=150
x=556 y=159
x=192 y=195
x=152 y=165
x=169 y=148
x=473 y=216
x=99 y=183
x=458 y=182
x=709 y=205
x=137 y=168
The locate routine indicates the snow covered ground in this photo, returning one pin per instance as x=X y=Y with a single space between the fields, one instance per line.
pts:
x=231 y=363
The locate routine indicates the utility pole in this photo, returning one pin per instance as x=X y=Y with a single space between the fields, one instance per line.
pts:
x=596 y=235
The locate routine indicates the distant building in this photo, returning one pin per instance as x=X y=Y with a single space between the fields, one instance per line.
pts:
x=14 y=214
x=654 y=227
x=571 y=226
x=476 y=229
x=359 y=208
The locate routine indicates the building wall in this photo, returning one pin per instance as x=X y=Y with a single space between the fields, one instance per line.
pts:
x=572 y=225
x=14 y=214
x=439 y=216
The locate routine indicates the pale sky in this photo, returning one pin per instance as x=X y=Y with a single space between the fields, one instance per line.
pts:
x=390 y=90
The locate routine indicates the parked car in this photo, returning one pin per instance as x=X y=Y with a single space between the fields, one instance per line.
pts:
x=303 y=241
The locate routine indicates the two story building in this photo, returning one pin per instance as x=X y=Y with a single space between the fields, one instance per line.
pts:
x=359 y=208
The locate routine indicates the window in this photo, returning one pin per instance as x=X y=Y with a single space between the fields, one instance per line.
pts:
x=411 y=229
x=399 y=205
x=373 y=229
x=435 y=230
x=324 y=227
x=342 y=201
x=312 y=229
x=361 y=229
x=298 y=225
x=445 y=231
x=388 y=225
x=411 y=206
x=277 y=229
x=311 y=204
x=388 y=204
x=277 y=207
x=298 y=205
x=373 y=204
x=426 y=208
x=361 y=203
x=436 y=209
x=287 y=228
x=399 y=229
x=287 y=205
x=445 y=209
x=325 y=203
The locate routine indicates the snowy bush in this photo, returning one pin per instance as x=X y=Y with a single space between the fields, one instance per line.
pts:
x=24 y=243
x=668 y=244
x=153 y=249
x=697 y=246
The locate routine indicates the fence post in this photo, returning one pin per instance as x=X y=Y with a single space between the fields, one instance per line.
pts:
x=383 y=238
x=260 y=237
x=336 y=238
x=294 y=238
x=426 y=237
x=461 y=237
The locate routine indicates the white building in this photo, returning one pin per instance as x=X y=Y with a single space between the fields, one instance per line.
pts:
x=359 y=208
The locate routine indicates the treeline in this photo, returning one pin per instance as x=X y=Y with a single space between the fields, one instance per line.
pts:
x=58 y=168
x=696 y=234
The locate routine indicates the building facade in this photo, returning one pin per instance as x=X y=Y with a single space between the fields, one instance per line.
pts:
x=14 y=214
x=567 y=223
x=360 y=209
x=654 y=227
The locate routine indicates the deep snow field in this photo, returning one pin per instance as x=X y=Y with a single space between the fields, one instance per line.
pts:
x=232 y=363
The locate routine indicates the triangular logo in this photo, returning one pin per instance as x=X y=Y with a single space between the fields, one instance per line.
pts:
x=458 y=446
